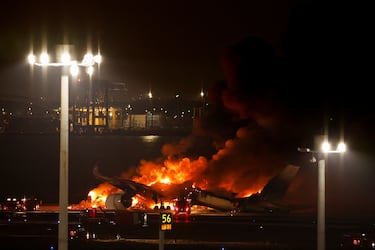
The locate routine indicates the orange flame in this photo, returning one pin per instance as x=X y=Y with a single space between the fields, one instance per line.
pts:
x=97 y=196
x=164 y=175
x=171 y=171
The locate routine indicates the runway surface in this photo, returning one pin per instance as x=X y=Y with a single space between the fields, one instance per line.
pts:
x=200 y=230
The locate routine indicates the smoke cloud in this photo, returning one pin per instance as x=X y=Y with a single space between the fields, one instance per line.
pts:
x=244 y=130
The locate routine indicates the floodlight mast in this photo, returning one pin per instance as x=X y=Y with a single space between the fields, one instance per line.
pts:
x=325 y=149
x=65 y=63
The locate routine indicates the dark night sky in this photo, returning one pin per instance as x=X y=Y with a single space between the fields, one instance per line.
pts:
x=317 y=63
x=167 y=46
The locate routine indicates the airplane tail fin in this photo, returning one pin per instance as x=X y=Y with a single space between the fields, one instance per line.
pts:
x=272 y=193
x=98 y=175
x=275 y=189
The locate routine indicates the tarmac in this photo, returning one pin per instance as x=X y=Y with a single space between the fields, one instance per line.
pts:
x=210 y=231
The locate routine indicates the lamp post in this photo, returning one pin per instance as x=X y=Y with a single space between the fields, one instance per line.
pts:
x=323 y=151
x=151 y=111
x=203 y=102
x=65 y=63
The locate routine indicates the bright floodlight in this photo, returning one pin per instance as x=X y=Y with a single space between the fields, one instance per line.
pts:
x=44 y=58
x=74 y=70
x=98 y=59
x=90 y=70
x=65 y=58
x=31 y=58
x=88 y=60
x=341 y=147
x=326 y=147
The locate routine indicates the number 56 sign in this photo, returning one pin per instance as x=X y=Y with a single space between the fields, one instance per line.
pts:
x=165 y=221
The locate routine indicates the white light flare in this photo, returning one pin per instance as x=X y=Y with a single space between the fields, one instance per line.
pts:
x=326 y=148
x=88 y=60
x=31 y=59
x=44 y=58
x=74 y=70
x=90 y=70
x=65 y=58
x=98 y=59
x=341 y=147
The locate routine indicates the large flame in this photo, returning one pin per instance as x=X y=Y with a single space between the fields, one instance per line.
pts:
x=98 y=195
x=170 y=172
x=232 y=170
x=164 y=176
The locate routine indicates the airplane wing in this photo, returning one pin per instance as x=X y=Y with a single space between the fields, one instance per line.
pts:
x=124 y=184
x=129 y=190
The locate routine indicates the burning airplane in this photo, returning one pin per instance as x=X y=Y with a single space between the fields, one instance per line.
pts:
x=128 y=193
